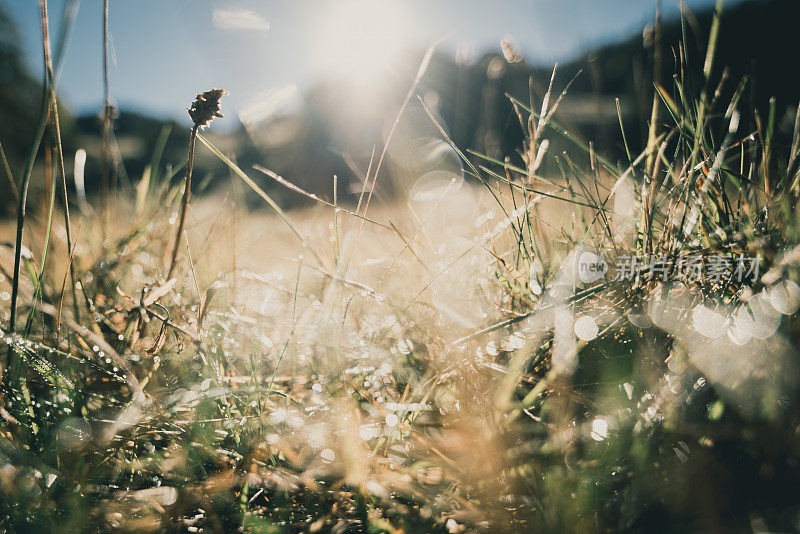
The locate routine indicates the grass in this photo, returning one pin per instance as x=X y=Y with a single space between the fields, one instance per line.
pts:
x=430 y=366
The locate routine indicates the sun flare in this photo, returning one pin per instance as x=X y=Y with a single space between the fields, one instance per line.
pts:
x=357 y=39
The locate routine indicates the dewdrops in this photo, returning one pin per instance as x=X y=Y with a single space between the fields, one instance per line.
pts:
x=599 y=429
x=536 y=288
x=73 y=434
x=316 y=438
x=514 y=342
x=586 y=328
x=317 y=388
x=405 y=346
x=757 y=318
x=295 y=420
x=628 y=388
x=392 y=420
x=738 y=335
x=328 y=456
x=785 y=297
x=367 y=433
x=708 y=323
x=278 y=416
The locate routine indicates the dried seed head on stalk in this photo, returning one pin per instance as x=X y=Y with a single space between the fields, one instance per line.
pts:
x=206 y=106
x=204 y=109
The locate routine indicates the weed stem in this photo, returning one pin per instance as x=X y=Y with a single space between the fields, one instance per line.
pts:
x=185 y=203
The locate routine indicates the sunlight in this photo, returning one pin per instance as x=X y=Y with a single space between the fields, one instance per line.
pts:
x=358 y=39
x=378 y=266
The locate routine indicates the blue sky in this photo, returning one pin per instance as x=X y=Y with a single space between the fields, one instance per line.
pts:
x=165 y=51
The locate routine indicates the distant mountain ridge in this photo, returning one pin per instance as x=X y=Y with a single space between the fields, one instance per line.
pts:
x=758 y=39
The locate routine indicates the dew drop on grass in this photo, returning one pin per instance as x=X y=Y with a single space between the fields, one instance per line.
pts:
x=708 y=322
x=757 y=318
x=327 y=456
x=628 y=390
x=73 y=434
x=367 y=433
x=737 y=334
x=638 y=319
x=599 y=429
x=405 y=346
x=295 y=421
x=392 y=419
x=435 y=185
x=316 y=440
x=536 y=288
x=278 y=416
x=586 y=328
x=785 y=297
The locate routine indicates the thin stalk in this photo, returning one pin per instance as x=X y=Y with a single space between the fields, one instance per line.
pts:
x=23 y=201
x=7 y=170
x=702 y=108
x=185 y=203
x=653 y=129
x=767 y=154
x=48 y=61
x=104 y=164
x=38 y=290
x=707 y=70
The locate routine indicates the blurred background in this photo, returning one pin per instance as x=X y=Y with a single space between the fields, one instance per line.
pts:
x=315 y=86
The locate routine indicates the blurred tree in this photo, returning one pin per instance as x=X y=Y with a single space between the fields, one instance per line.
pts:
x=20 y=100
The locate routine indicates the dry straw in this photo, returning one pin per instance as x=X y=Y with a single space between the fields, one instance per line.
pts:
x=204 y=109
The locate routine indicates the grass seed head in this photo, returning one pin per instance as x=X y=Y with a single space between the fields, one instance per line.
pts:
x=206 y=106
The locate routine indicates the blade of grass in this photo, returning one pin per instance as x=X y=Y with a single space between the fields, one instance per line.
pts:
x=12 y=185
x=28 y=170
x=59 y=149
x=289 y=185
x=260 y=192
x=45 y=247
x=106 y=127
x=565 y=134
